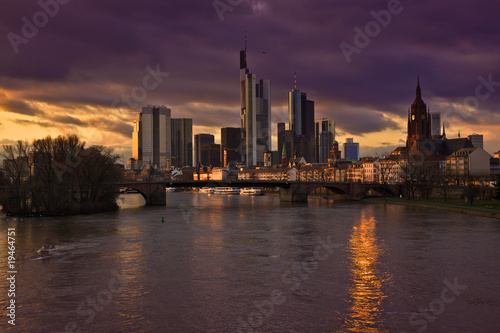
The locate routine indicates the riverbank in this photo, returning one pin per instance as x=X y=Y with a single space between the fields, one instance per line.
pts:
x=481 y=209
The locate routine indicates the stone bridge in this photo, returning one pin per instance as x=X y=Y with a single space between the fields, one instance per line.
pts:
x=298 y=191
x=290 y=191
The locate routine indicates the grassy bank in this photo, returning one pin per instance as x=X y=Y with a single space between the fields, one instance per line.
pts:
x=480 y=207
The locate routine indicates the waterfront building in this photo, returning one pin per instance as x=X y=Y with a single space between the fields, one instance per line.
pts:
x=182 y=142
x=467 y=162
x=370 y=169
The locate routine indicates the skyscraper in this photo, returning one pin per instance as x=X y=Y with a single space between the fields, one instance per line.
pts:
x=152 y=137
x=351 y=149
x=182 y=142
x=230 y=145
x=301 y=122
x=263 y=99
x=328 y=125
x=210 y=155
x=199 y=141
x=325 y=136
x=255 y=114
x=325 y=145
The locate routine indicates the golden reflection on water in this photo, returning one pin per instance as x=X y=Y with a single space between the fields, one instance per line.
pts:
x=365 y=291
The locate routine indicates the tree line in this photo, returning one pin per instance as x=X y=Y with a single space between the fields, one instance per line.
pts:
x=58 y=176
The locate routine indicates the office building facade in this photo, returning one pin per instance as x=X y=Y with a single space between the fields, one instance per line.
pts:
x=152 y=142
x=351 y=149
x=199 y=141
x=230 y=145
x=477 y=140
x=301 y=122
x=255 y=114
x=182 y=142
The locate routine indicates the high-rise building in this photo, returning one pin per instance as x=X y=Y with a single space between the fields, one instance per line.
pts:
x=263 y=99
x=325 y=146
x=317 y=133
x=301 y=122
x=230 y=145
x=255 y=114
x=285 y=139
x=210 y=155
x=325 y=135
x=152 y=137
x=477 y=140
x=435 y=124
x=182 y=142
x=137 y=139
x=199 y=141
x=328 y=125
x=419 y=122
x=351 y=149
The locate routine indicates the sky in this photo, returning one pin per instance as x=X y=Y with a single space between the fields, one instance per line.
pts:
x=87 y=67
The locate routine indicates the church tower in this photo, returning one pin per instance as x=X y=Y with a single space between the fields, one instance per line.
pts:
x=419 y=120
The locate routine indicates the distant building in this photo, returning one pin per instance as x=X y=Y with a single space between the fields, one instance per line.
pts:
x=328 y=125
x=210 y=155
x=230 y=145
x=255 y=114
x=477 y=140
x=351 y=149
x=182 y=142
x=325 y=145
x=151 y=137
x=435 y=124
x=301 y=123
x=324 y=141
x=285 y=141
x=303 y=146
x=199 y=141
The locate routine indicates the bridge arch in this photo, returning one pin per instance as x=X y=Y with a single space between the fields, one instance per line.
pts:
x=154 y=193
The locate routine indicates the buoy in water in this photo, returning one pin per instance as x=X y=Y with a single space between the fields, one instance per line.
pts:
x=162 y=219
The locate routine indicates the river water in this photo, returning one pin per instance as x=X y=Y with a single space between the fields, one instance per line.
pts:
x=253 y=264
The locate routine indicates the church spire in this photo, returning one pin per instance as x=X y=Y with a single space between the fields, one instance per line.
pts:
x=444 y=131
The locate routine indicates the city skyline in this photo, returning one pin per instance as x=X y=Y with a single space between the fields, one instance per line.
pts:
x=186 y=58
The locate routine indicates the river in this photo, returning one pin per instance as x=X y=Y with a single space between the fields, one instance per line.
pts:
x=221 y=263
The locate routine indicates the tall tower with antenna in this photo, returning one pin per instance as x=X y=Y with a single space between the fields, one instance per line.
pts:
x=255 y=97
